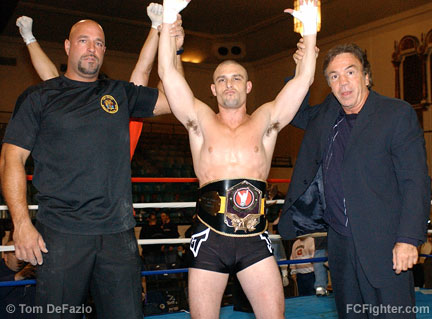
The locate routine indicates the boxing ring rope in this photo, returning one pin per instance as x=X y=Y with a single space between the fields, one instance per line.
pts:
x=168 y=240
x=179 y=270
x=165 y=271
x=158 y=205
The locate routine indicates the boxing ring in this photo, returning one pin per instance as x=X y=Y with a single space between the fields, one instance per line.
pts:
x=305 y=307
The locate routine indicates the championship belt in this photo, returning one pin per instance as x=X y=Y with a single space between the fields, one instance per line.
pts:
x=233 y=207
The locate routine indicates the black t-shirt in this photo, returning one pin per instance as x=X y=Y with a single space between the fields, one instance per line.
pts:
x=78 y=133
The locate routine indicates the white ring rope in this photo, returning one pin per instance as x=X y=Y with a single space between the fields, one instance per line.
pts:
x=150 y=205
x=158 y=205
x=180 y=240
x=160 y=241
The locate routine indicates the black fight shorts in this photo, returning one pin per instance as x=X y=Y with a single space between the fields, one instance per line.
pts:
x=226 y=254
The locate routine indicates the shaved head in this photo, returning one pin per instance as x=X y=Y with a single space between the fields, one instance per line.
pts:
x=84 y=23
x=229 y=62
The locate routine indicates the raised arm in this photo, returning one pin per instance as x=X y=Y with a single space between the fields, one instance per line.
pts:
x=180 y=96
x=176 y=34
x=286 y=104
x=44 y=67
x=141 y=73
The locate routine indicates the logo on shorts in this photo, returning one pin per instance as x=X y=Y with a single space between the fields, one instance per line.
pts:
x=243 y=198
x=197 y=240
x=109 y=104
x=265 y=236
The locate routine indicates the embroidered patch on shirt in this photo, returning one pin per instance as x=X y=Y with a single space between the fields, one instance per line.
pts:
x=109 y=104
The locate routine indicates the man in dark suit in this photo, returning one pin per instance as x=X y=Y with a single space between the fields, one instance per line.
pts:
x=361 y=170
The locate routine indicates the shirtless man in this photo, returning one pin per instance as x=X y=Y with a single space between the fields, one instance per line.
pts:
x=232 y=154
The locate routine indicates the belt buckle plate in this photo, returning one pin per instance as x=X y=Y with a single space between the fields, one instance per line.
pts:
x=243 y=207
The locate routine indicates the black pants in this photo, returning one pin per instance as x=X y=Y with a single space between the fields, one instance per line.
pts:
x=305 y=284
x=106 y=265
x=355 y=296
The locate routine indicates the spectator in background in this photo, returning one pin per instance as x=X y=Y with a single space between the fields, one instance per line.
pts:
x=151 y=254
x=320 y=270
x=169 y=230
x=426 y=262
x=303 y=248
x=12 y=269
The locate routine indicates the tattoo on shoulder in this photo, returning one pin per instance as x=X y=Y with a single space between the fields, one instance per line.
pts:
x=273 y=127
x=193 y=126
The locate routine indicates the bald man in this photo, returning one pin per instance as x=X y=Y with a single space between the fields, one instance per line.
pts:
x=232 y=154
x=76 y=129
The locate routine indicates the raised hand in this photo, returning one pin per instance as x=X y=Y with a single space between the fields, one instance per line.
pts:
x=298 y=55
x=171 y=8
x=177 y=31
x=155 y=13
x=308 y=15
x=25 y=28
